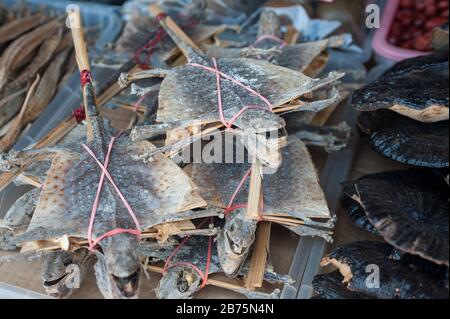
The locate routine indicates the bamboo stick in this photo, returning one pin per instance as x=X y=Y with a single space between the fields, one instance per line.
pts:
x=255 y=276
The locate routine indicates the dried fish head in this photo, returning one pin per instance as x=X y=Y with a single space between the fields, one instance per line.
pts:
x=178 y=283
x=234 y=242
x=181 y=281
x=112 y=287
x=416 y=88
x=405 y=140
x=63 y=272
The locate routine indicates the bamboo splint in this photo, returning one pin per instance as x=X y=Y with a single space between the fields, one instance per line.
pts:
x=160 y=233
x=255 y=277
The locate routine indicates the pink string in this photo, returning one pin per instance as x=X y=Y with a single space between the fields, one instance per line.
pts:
x=230 y=208
x=105 y=173
x=220 y=75
x=203 y=275
x=283 y=43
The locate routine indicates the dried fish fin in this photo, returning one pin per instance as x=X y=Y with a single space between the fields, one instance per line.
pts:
x=125 y=79
x=332 y=138
x=315 y=106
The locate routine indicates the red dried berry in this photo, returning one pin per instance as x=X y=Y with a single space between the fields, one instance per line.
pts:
x=435 y=22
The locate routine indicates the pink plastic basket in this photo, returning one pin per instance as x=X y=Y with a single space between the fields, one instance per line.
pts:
x=380 y=44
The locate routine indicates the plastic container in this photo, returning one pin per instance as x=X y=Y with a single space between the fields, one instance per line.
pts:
x=380 y=44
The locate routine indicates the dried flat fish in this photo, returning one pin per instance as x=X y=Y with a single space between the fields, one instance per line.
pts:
x=189 y=93
x=410 y=210
x=305 y=201
x=416 y=88
x=16 y=28
x=330 y=286
x=160 y=192
x=396 y=279
x=405 y=140
x=19 y=50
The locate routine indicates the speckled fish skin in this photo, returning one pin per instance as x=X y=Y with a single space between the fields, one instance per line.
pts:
x=199 y=93
x=16 y=28
x=156 y=196
x=405 y=140
x=17 y=219
x=330 y=286
x=305 y=200
x=410 y=210
x=189 y=93
x=17 y=51
x=298 y=174
x=417 y=84
x=397 y=281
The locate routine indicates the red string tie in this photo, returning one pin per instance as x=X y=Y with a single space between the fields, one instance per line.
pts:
x=85 y=77
x=203 y=275
x=79 y=114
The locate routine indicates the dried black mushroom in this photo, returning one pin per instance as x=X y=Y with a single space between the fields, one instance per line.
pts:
x=404 y=140
x=331 y=286
x=354 y=209
x=410 y=210
x=367 y=269
x=416 y=88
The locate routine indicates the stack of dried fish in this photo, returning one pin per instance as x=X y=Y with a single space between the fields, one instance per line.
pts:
x=124 y=204
x=405 y=118
x=34 y=49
